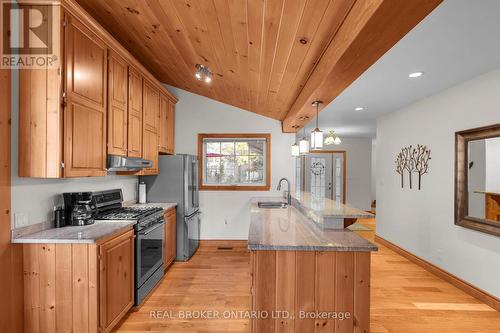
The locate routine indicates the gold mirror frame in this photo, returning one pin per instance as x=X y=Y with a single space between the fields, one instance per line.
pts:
x=462 y=218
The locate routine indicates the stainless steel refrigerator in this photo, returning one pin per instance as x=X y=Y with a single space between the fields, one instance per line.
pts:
x=177 y=182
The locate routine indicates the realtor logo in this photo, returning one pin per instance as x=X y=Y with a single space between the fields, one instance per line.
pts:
x=29 y=34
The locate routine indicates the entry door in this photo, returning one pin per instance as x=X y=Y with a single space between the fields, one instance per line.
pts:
x=323 y=175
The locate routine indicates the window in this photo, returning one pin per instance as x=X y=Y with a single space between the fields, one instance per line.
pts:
x=234 y=162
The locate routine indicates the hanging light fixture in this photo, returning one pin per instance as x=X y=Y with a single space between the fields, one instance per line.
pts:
x=295 y=150
x=303 y=143
x=203 y=73
x=317 y=134
x=332 y=139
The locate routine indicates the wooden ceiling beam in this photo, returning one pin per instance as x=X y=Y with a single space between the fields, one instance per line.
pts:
x=370 y=29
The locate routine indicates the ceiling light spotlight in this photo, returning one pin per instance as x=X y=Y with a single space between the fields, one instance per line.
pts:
x=415 y=74
x=359 y=108
x=203 y=73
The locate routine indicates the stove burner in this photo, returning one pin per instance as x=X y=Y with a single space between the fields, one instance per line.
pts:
x=128 y=213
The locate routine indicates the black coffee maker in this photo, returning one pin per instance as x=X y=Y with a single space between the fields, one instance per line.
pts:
x=80 y=208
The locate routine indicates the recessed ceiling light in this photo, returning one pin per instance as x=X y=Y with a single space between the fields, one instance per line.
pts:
x=359 y=108
x=416 y=74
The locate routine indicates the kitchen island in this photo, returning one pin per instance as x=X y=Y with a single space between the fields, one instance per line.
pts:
x=307 y=276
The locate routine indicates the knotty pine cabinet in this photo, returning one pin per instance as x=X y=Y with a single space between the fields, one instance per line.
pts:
x=78 y=287
x=116 y=277
x=134 y=113
x=167 y=125
x=150 y=128
x=85 y=101
x=99 y=101
x=170 y=250
x=117 y=105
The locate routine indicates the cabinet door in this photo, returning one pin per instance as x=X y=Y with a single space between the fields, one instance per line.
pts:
x=116 y=289
x=163 y=127
x=117 y=105
x=170 y=236
x=85 y=105
x=171 y=128
x=151 y=112
x=134 y=113
x=151 y=106
x=150 y=151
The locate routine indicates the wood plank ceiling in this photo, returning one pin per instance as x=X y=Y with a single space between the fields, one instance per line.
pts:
x=262 y=52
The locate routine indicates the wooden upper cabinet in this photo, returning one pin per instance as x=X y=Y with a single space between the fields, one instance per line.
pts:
x=85 y=105
x=171 y=127
x=151 y=117
x=117 y=105
x=134 y=113
x=151 y=111
x=116 y=279
x=99 y=100
x=163 y=127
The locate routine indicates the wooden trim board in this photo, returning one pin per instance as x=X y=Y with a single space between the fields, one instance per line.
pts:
x=466 y=287
x=11 y=260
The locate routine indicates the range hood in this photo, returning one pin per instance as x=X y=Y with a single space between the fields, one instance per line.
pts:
x=122 y=163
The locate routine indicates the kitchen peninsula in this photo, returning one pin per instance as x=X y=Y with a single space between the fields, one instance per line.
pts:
x=307 y=271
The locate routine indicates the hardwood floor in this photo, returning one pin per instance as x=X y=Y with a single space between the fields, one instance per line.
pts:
x=405 y=297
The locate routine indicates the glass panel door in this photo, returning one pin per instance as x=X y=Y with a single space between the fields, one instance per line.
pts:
x=322 y=174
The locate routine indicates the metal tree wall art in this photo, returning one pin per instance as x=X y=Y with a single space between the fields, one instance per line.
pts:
x=423 y=155
x=413 y=160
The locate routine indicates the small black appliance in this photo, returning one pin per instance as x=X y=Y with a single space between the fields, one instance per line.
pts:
x=79 y=208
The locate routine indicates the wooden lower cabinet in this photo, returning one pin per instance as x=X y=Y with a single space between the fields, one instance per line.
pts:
x=116 y=279
x=170 y=250
x=78 y=287
x=310 y=291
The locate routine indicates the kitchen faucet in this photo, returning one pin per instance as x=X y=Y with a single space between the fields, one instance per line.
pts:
x=289 y=195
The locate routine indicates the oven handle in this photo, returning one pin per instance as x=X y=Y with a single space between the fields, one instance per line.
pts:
x=147 y=231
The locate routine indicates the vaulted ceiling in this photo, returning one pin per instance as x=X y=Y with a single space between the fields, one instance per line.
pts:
x=271 y=57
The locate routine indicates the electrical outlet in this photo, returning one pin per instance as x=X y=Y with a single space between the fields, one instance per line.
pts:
x=20 y=220
x=225 y=222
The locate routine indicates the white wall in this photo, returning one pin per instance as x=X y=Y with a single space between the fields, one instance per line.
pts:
x=492 y=164
x=477 y=178
x=422 y=222
x=33 y=199
x=359 y=174
x=226 y=214
x=373 y=173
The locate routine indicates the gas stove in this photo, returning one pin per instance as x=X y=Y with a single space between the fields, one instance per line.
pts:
x=145 y=216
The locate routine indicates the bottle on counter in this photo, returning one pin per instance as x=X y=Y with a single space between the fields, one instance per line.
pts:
x=142 y=193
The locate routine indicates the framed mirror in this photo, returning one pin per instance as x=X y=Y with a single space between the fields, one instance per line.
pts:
x=477 y=179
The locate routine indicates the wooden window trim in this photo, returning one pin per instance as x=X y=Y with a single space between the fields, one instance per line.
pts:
x=462 y=217
x=202 y=136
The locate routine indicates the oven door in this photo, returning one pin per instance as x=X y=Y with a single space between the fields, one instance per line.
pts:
x=149 y=252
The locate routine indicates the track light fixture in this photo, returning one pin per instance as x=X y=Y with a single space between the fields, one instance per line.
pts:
x=203 y=73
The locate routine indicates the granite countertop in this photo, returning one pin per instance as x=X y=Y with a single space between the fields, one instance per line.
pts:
x=328 y=208
x=288 y=229
x=84 y=234
x=72 y=234
x=164 y=205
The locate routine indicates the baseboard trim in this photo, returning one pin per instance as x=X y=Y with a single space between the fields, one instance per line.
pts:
x=468 y=288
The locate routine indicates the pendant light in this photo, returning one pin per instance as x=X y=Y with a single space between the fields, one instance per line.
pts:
x=295 y=150
x=332 y=139
x=316 y=134
x=303 y=143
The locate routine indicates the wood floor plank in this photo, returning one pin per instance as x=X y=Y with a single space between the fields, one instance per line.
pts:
x=404 y=297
